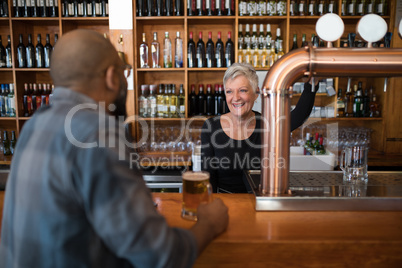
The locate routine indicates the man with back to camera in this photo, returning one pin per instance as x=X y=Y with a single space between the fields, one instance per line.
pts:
x=70 y=200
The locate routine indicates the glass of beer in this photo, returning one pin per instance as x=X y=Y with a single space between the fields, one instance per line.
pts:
x=196 y=189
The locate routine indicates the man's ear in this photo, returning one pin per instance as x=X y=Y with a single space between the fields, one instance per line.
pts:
x=112 y=80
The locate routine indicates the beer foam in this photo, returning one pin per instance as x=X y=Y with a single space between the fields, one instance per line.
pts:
x=195 y=176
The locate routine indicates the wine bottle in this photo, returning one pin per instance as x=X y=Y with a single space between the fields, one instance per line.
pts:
x=150 y=7
x=155 y=50
x=9 y=61
x=64 y=8
x=192 y=102
x=159 y=8
x=340 y=105
x=229 y=7
x=210 y=55
x=181 y=102
x=208 y=7
x=218 y=7
x=294 y=42
x=173 y=101
x=26 y=8
x=278 y=40
x=104 y=8
x=219 y=53
x=167 y=51
x=312 y=8
x=21 y=54
x=191 y=55
x=178 y=8
x=199 y=11
x=190 y=7
x=48 y=51
x=42 y=9
x=209 y=101
x=39 y=53
x=178 y=55
x=201 y=103
x=200 y=52
x=30 y=53
x=229 y=51
x=4 y=9
x=160 y=102
x=144 y=52
x=53 y=8
x=169 y=7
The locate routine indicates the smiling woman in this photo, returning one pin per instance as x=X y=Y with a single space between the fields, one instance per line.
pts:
x=231 y=142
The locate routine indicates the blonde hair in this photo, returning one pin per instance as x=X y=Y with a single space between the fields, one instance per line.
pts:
x=244 y=69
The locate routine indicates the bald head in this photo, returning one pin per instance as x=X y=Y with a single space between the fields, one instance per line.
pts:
x=81 y=56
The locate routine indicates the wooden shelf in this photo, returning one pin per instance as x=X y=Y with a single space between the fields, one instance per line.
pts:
x=206 y=69
x=160 y=69
x=5 y=160
x=5 y=118
x=32 y=69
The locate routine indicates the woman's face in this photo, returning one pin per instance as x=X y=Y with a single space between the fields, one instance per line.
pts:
x=240 y=96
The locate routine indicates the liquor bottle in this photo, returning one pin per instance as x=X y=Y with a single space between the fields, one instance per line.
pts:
x=293 y=8
x=261 y=39
x=271 y=8
x=166 y=101
x=280 y=52
x=13 y=142
x=26 y=8
x=278 y=40
x=252 y=8
x=167 y=51
x=191 y=55
x=169 y=8
x=352 y=8
x=366 y=104
x=302 y=7
x=358 y=104
x=144 y=52
x=361 y=7
x=209 y=101
x=281 y=8
x=240 y=37
x=272 y=54
x=149 y=8
x=21 y=54
x=39 y=53
x=254 y=38
x=243 y=10
x=304 y=41
x=220 y=101
x=47 y=51
x=344 y=7
x=240 y=55
x=210 y=54
x=155 y=51
x=98 y=9
x=371 y=6
x=178 y=8
x=349 y=103
x=2 y=55
x=80 y=9
x=200 y=52
x=332 y=6
x=64 y=9
x=219 y=53
x=321 y=149
x=27 y=101
x=382 y=7
x=3 y=101
x=199 y=8
x=247 y=38
x=255 y=60
x=340 y=105
x=11 y=102
x=152 y=101
x=6 y=144
x=248 y=56
x=321 y=7
x=30 y=53
x=143 y=101
x=374 y=107
x=42 y=11
x=178 y=54
x=262 y=8
x=160 y=102
x=312 y=8
x=295 y=46
x=268 y=38
x=173 y=103
x=201 y=103
x=264 y=57
x=9 y=61
x=307 y=145
x=181 y=102
x=229 y=51
x=192 y=102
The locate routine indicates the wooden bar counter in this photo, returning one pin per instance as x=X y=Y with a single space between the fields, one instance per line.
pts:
x=295 y=239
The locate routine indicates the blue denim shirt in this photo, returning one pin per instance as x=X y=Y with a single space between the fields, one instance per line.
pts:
x=72 y=200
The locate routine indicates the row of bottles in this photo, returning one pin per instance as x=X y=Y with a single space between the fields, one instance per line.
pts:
x=167 y=102
x=314 y=145
x=314 y=41
x=176 y=7
x=35 y=96
x=32 y=8
x=312 y=7
x=34 y=57
x=84 y=8
x=208 y=102
x=363 y=7
x=262 y=7
x=167 y=52
x=358 y=103
x=210 y=55
x=7 y=100
x=7 y=146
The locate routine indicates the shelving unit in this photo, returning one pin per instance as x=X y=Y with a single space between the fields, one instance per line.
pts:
x=289 y=25
x=35 y=25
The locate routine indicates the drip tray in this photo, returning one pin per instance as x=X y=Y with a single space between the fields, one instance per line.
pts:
x=320 y=191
